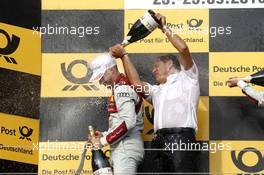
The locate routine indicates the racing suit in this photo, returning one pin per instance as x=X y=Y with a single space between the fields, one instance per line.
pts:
x=125 y=126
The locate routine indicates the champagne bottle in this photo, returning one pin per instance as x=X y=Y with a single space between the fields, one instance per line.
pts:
x=256 y=78
x=100 y=164
x=142 y=28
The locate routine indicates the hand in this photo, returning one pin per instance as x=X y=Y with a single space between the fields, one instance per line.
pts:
x=117 y=51
x=96 y=142
x=232 y=82
x=96 y=134
x=162 y=20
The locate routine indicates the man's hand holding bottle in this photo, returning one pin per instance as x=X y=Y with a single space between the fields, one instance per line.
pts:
x=95 y=140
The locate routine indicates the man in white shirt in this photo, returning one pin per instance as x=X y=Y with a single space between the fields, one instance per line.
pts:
x=175 y=101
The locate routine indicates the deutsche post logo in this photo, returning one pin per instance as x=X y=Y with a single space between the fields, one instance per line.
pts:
x=238 y=161
x=12 y=45
x=25 y=132
x=77 y=81
x=194 y=23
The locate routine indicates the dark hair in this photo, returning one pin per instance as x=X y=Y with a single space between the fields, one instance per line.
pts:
x=171 y=57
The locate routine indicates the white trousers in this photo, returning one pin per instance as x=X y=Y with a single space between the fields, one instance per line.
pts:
x=127 y=155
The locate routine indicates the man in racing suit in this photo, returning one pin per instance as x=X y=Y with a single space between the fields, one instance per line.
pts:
x=125 y=117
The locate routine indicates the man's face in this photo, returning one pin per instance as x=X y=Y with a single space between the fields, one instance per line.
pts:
x=160 y=70
x=106 y=80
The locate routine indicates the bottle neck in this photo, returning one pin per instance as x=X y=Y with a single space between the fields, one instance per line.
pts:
x=90 y=136
x=90 y=132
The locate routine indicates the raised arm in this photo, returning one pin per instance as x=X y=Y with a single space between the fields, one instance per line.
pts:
x=118 y=51
x=185 y=58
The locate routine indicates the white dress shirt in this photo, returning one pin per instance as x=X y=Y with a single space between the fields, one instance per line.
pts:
x=175 y=102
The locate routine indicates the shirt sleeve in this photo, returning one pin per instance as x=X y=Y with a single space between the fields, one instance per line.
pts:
x=256 y=96
x=125 y=98
x=192 y=73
